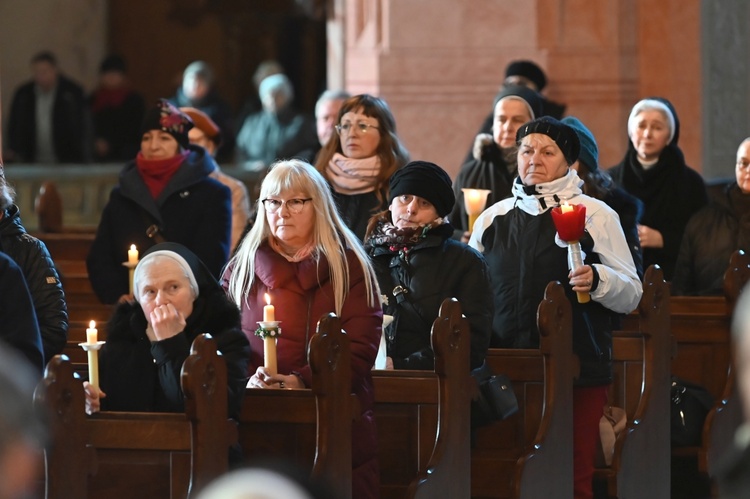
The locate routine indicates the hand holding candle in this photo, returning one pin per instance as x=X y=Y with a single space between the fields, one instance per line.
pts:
x=474 y=203
x=570 y=221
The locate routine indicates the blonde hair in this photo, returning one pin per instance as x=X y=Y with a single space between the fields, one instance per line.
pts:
x=331 y=235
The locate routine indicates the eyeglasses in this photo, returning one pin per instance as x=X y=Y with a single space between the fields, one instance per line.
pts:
x=294 y=205
x=347 y=127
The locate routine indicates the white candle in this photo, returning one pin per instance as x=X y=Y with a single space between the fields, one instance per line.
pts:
x=269 y=313
x=91 y=333
x=475 y=200
x=132 y=254
x=565 y=207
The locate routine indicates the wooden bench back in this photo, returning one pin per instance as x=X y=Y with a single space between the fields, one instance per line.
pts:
x=530 y=454
x=310 y=427
x=423 y=417
x=641 y=380
x=158 y=454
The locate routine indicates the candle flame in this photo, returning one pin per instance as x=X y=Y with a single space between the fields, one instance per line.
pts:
x=132 y=247
x=268 y=298
x=92 y=324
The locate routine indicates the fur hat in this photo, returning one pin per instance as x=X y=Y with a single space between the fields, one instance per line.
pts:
x=529 y=70
x=589 y=153
x=564 y=136
x=426 y=180
x=167 y=118
x=204 y=123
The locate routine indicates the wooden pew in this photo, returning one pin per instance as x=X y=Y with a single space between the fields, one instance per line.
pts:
x=151 y=455
x=530 y=454
x=423 y=417
x=699 y=326
x=641 y=380
x=310 y=427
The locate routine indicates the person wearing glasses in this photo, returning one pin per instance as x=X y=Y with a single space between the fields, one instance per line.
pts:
x=714 y=233
x=360 y=158
x=300 y=253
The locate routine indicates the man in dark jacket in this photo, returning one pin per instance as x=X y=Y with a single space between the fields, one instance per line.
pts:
x=61 y=136
x=18 y=326
x=714 y=233
x=39 y=271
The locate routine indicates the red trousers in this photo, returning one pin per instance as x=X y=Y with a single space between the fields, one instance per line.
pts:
x=588 y=407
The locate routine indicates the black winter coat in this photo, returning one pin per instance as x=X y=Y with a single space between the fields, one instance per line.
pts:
x=41 y=278
x=70 y=123
x=18 y=326
x=437 y=268
x=357 y=209
x=671 y=193
x=711 y=236
x=138 y=375
x=193 y=210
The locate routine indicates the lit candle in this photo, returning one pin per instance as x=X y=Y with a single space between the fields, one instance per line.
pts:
x=474 y=202
x=565 y=207
x=91 y=333
x=570 y=222
x=92 y=353
x=269 y=313
x=132 y=254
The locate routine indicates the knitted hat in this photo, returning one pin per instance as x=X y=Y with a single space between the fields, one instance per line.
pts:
x=204 y=123
x=426 y=180
x=563 y=135
x=531 y=98
x=529 y=70
x=589 y=154
x=167 y=118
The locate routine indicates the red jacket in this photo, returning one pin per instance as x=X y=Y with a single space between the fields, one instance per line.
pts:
x=302 y=293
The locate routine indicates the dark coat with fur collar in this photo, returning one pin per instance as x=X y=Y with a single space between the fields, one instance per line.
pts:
x=138 y=375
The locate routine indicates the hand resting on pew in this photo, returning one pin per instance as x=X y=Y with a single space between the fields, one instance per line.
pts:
x=263 y=379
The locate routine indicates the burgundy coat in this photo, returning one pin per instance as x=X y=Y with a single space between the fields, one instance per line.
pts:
x=302 y=293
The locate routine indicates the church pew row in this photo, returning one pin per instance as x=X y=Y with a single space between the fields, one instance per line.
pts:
x=530 y=454
x=310 y=427
x=702 y=354
x=423 y=418
x=640 y=385
x=159 y=455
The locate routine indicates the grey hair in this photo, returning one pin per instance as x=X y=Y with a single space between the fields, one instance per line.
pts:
x=330 y=95
x=7 y=194
x=200 y=69
x=276 y=82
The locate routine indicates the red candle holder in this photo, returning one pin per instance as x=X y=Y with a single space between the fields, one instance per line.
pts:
x=570 y=221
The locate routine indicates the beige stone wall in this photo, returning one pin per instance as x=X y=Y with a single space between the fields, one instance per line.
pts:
x=439 y=64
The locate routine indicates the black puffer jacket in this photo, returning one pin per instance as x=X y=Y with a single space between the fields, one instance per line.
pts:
x=711 y=236
x=42 y=279
x=437 y=268
x=138 y=375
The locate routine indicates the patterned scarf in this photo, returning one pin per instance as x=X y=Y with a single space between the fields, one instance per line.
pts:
x=301 y=254
x=353 y=176
x=400 y=241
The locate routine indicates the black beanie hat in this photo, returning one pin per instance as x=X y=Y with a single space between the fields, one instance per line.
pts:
x=564 y=136
x=426 y=180
x=113 y=62
x=528 y=70
x=167 y=118
x=529 y=96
